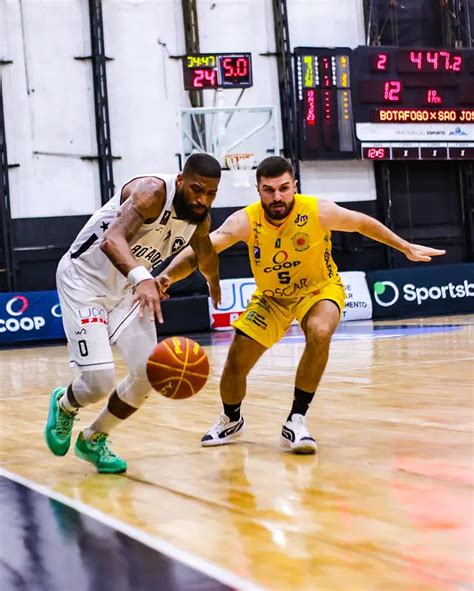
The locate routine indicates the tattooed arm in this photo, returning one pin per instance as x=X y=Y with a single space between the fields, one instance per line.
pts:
x=233 y=230
x=143 y=200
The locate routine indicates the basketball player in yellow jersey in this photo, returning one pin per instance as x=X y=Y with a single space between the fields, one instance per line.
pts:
x=289 y=241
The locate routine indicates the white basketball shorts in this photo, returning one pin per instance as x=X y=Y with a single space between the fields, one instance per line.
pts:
x=92 y=322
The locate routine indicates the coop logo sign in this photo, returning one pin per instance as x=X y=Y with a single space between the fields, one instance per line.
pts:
x=386 y=293
x=281 y=262
x=16 y=308
x=30 y=316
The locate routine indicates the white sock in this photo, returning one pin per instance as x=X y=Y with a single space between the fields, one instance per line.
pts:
x=66 y=405
x=104 y=423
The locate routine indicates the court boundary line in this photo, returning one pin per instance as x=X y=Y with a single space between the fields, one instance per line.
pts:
x=199 y=564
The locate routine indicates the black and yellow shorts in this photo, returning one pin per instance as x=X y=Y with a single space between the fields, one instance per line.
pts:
x=266 y=319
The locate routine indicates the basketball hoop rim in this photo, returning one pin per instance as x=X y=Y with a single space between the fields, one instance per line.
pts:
x=234 y=160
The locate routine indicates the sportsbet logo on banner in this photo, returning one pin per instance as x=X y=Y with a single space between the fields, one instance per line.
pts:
x=386 y=293
x=445 y=289
x=236 y=294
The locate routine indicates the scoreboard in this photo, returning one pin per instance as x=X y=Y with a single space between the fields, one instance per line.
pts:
x=323 y=87
x=217 y=70
x=398 y=103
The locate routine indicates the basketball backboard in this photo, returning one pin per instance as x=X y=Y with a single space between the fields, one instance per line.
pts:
x=239 y=137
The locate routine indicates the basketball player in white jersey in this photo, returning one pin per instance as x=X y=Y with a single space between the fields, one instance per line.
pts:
x=109 y=297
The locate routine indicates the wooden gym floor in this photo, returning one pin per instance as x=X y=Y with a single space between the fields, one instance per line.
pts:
x=386 y=505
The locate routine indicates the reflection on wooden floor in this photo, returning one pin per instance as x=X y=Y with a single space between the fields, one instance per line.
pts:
x=387 y=504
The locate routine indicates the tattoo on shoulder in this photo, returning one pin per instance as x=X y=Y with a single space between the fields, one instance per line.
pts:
x=138 y=212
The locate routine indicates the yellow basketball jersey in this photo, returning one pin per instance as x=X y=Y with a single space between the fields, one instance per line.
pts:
x=292 y=260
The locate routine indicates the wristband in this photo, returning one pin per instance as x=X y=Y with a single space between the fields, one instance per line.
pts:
x=138 y=274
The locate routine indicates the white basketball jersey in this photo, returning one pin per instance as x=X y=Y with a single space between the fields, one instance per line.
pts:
x=152 y=244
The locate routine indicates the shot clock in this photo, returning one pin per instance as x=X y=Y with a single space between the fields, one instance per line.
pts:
x=404 y=103
x=217 y=70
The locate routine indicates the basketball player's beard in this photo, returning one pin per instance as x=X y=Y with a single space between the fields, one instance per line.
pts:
x=280 y=213
x=185 y=211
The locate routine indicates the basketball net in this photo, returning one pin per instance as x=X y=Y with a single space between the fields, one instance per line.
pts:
x=240 y=164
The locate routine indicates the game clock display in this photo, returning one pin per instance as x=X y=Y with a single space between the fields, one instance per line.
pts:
x=418 y=61
x=385 y=103
x=413 y=85
x=217 y=70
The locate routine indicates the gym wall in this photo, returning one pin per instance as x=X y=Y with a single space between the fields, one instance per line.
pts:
x=49 y=107
x=50 y=118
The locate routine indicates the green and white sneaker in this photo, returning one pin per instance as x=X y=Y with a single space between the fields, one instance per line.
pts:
x=59 y=425
x=96 y=451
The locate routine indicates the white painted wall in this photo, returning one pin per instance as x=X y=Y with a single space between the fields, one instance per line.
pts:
x=49 y=117
x=48 y=96
x=325 y=23
x=339 y=181
x=145 y=85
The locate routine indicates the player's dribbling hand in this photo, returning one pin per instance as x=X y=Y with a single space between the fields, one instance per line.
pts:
x=147 y=294
x=419 y=253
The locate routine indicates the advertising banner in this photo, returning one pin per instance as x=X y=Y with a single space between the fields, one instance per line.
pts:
x=358 y=302
x=422 y=290
x=30 y=316
x=236 y=294
x=419 y=132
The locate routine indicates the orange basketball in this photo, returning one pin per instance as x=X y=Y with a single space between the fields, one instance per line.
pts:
x=177 y=367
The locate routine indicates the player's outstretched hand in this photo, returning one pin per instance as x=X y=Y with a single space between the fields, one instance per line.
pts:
x=146 y=292
x=214 y=290
x=417 y=252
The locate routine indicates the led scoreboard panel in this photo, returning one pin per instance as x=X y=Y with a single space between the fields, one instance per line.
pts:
x=385 y=103
x=324 y=112
x=414 y=104
x=217 y=70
